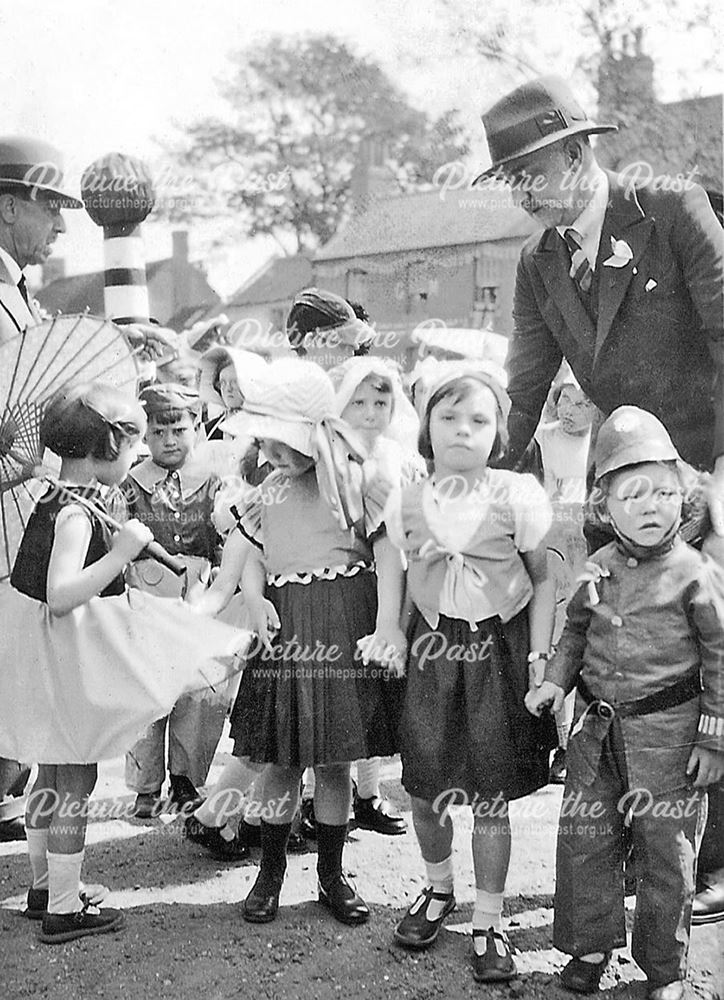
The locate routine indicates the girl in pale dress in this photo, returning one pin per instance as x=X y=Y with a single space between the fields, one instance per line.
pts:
x=78 y=685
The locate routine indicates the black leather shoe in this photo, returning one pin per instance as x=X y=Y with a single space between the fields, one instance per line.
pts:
x=262 y=903
x=496 y=964
x=60 y=927
x=37 y=904
x=183 y=794
x=708 y=905
x=583 y=977
x=218 y=847
x=12 y=829
x=342 y=901
x=415 y=930
x=374 y=814
x=148 y=805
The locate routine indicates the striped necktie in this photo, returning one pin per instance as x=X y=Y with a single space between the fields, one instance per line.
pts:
x=581 y=270
x=23 y=289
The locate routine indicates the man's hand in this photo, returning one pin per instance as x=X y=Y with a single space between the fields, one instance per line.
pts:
x=152 y=342
x=715 y=497
x=706 y=765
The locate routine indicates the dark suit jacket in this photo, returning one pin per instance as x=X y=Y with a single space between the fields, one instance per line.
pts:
x=661 y=349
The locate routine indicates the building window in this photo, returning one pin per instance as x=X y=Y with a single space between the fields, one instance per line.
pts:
x=485 y=307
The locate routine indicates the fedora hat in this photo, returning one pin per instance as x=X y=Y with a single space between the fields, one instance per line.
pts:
x=531 y=117
x=35 y=165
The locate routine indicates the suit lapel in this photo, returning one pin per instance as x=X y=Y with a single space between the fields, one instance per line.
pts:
x=553 y=261
x=624 y=220
x=13 y=304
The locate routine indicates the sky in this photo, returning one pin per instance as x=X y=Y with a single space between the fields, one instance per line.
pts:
x=95 y=76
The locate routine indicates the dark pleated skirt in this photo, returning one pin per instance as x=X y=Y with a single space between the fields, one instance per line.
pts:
x=464 y=724
x=315 y=702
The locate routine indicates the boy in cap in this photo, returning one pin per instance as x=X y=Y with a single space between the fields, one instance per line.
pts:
x=644 y=646
x=174 y=497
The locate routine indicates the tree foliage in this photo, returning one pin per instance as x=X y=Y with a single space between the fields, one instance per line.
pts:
x=300 y=109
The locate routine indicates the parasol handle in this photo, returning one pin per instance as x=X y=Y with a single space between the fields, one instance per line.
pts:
x=153 y=549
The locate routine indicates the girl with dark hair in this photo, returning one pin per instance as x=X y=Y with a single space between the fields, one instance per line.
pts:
x=78 y=685
x=480 y=626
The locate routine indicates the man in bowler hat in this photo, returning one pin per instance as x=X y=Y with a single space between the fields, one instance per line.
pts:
x=625 y=283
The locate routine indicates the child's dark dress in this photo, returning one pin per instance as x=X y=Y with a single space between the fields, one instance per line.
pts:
x=314 y=702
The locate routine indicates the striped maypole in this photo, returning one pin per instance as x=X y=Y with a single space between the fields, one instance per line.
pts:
x=117 y=192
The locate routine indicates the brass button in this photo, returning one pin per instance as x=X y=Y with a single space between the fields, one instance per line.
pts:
x=632 y=562
x=616 y=621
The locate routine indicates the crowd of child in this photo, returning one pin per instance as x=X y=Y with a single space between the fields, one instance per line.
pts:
x=399 y=600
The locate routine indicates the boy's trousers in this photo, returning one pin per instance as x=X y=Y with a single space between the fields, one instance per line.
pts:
x=666 y=829
x=194 y=730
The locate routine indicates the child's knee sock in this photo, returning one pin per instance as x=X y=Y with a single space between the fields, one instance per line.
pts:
x=368 y=778
x=38 y=856
x=64 y=882
x=441 y=877
x=274 y=837
x=488 y=910
x=330 y=845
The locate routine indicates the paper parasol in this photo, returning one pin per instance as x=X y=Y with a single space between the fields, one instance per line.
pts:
x=33 y=367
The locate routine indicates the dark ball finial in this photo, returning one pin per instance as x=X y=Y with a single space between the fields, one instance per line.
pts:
x=117 y=192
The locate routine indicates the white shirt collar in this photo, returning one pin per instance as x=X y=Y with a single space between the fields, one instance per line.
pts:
x=12 y=266
x=589 y=223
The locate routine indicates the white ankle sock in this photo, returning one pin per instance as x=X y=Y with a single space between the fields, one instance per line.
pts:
x=441 y=877
x=38 y=855
x=64 y=882
x=368 y=778
x=227 y=795
x=488 y=910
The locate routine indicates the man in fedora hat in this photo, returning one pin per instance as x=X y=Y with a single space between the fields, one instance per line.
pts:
x=32 y=195
x=625 y=283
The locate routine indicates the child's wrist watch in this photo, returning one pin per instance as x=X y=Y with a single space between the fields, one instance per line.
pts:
x=536 y=655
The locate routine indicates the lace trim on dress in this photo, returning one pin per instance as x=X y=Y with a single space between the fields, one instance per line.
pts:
x=328 y=573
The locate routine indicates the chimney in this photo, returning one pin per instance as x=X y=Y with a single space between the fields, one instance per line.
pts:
x=625 y=78
x=372 y=177
x=180 y=269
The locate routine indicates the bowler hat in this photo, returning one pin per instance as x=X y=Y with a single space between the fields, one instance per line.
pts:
x=35 y=165
x=531 y=117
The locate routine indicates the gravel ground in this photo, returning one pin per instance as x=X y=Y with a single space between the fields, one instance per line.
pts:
x=185 y=937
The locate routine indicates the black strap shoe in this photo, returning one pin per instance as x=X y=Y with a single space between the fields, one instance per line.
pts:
x=496 y=964
x=583 y=977
x=416 y=930
x=375 y=814
x=343 y=902
x=60 y=927
x=262 y=903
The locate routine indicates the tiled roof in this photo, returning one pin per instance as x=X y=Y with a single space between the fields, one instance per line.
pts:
x=429 y=219
x=279 y=281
